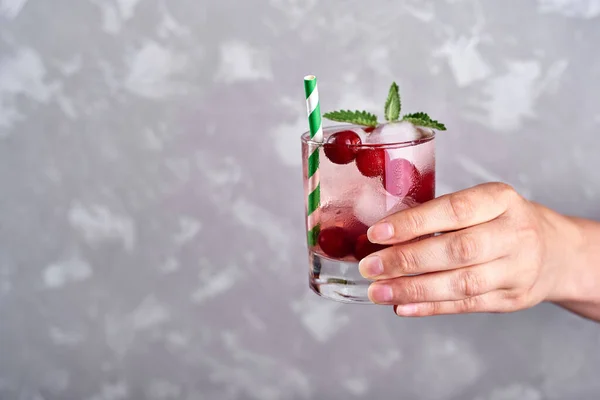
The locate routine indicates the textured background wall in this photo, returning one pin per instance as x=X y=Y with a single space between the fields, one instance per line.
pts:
x=151 y=221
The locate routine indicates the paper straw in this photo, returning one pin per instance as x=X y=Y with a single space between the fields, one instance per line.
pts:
x=313 y=109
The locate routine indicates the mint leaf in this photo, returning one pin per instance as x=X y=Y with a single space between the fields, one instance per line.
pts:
x=352 y=117
x=424 y=120
x=393 y=104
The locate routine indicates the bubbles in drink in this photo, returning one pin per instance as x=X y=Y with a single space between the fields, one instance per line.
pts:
x=340 y=214
x=401 y=177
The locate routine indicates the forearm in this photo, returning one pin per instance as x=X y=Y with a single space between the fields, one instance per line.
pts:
x=578 y=290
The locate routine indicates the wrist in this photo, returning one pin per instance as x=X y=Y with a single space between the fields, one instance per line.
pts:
x=566 y=253
x=578 y=282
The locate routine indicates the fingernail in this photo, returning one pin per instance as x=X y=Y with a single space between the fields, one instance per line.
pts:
x=407 y=309
x=380 y=293
x=380 y=232
x=370 y=266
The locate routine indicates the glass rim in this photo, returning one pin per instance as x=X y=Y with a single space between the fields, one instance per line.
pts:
x=305 y=137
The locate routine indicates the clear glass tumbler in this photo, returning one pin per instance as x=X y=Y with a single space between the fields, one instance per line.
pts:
x=359 y=185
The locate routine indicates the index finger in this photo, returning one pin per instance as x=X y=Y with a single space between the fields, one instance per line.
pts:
x=473 y=206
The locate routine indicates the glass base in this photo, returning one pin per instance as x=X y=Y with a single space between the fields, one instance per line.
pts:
x=337 y=280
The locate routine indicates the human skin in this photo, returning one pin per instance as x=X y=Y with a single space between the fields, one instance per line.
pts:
x=498 y=252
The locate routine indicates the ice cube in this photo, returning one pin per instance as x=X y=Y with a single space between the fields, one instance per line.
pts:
x=394 y=132
x=373 y=202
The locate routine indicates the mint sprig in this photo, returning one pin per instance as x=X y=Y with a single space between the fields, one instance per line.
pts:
x=424 y=120
x=393 y=106
x=353 y=117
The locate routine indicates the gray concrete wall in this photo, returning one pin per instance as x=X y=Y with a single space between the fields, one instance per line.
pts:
x=151 y=206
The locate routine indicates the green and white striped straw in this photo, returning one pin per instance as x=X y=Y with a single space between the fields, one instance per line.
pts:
x=313 y=109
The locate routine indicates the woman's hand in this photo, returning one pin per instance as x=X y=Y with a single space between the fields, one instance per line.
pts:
x=498 y=253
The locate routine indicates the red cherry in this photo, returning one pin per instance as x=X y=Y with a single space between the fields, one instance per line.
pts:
x=341 y=147
x=401 y=178
x=355 y=231
x=426 y=190
x=335 y=242
x=371 y=162
x=364 y=247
